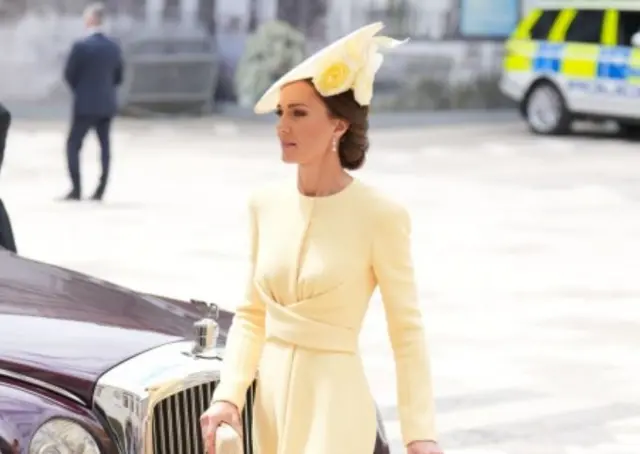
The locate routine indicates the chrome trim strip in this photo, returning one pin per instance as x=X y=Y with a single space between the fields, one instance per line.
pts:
x=44 y=385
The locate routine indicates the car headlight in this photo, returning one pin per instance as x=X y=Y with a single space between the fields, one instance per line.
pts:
x=61 y=436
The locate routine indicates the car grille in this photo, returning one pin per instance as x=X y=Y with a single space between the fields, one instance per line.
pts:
x=176 y=421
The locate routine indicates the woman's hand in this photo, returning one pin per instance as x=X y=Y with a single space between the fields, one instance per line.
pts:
x=218 y=413
x=424 y=447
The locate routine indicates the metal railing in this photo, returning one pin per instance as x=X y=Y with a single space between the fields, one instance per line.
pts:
x=169 y=74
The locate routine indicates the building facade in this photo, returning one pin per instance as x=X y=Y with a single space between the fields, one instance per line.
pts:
x=447 y=48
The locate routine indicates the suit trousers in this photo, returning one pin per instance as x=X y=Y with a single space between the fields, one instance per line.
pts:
x=80 y=126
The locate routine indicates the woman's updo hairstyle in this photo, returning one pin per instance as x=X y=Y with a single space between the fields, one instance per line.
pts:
x=353 y=146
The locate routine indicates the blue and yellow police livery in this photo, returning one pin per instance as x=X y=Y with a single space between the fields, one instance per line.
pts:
x=571 y=60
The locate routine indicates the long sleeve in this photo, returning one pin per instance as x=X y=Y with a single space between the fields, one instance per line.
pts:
x=119 y=71
x=246 y=337
x=71 y=67
x=393 y=267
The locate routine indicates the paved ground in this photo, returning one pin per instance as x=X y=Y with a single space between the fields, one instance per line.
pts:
x=528 y=253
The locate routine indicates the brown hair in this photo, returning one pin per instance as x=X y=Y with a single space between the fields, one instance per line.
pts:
x=353 y=146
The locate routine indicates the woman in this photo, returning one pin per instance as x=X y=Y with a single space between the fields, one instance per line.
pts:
x=318 y=252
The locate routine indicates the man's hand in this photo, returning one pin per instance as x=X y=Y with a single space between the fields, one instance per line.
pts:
x=424 y=447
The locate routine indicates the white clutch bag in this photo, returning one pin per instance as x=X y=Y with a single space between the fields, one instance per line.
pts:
x=228 y=441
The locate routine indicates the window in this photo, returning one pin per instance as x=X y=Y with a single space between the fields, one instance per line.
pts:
x=586 y=27
x=171 y=10
x=541 y=28
x=629 y=23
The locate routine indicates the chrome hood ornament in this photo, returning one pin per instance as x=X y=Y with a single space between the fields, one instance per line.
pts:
x=206 y=332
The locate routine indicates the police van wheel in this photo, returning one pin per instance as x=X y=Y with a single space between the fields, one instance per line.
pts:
x=545 y=110
x=630 y=130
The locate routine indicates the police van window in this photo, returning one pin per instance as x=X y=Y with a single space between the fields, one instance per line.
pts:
x=586 y=27
x=629 y=25
x=542 y=27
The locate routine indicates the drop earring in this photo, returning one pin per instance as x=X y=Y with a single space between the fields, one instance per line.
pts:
x=335 y=145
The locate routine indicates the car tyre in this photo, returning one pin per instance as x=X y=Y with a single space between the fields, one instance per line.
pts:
x=630 y=130
x=546 y=111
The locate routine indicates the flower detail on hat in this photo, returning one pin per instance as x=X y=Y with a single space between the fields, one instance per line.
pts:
x=363 y=84
x=335 y=77
x=352 y=67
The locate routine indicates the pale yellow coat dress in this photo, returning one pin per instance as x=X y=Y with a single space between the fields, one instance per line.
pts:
x=316 y=262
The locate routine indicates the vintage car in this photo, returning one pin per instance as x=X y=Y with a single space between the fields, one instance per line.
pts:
x=88 y=367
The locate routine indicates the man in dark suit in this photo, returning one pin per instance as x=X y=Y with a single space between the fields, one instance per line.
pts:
x=93 y=71
x=6 y=232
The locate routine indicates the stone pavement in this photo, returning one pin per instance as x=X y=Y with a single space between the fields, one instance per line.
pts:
x=527 y=253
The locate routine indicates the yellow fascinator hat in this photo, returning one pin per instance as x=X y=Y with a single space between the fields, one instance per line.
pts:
x=349 y=63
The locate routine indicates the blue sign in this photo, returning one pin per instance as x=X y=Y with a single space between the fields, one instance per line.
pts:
x=489 y=19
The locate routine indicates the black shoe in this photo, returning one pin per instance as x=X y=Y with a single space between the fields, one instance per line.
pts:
x=72 y=196
x=97 y=196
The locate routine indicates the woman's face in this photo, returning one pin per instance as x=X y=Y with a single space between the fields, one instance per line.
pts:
x=305 y=129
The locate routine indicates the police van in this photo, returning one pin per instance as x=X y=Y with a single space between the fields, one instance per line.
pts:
x=572 y=60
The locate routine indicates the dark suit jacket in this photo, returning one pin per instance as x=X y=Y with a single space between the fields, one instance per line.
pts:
x=6 y=232
x=93 y=71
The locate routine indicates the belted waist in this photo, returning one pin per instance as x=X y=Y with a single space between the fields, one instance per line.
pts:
x=288 y=324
